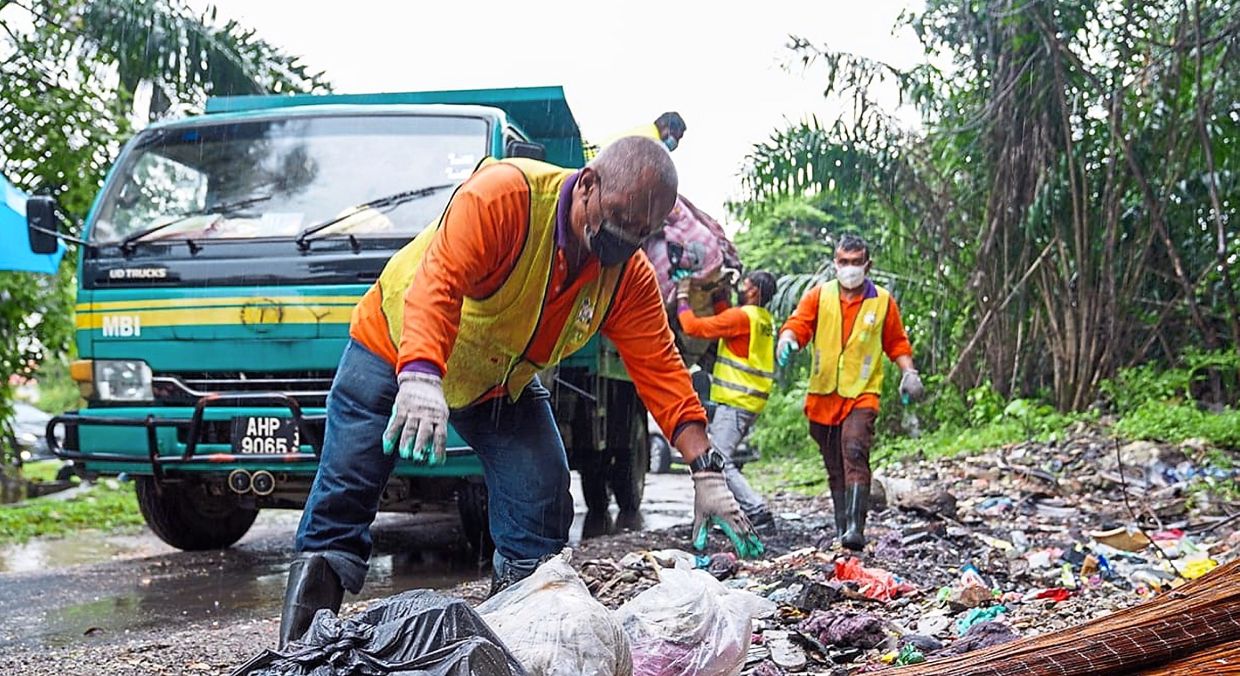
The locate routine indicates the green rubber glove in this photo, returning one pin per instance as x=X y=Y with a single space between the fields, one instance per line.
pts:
x=786 y=346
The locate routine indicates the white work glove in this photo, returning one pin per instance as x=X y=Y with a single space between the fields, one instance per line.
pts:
x=785 y=347
x=419 y=419
x=713 y=505
x=910 y=386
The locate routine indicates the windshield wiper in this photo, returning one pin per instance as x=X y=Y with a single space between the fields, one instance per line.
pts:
x=303 y=238
x=126 y=244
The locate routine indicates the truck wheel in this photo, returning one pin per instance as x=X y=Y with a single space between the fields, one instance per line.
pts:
x=594 y=486
x=189 y=518
x=660 y=455
x=591 y=464
x=628 y=446
x=471 y=502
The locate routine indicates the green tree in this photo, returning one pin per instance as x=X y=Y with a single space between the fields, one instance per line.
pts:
x=790 y=237
x=1065 y=208
x=70 y=73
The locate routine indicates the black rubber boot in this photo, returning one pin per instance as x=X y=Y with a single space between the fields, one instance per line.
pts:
x=841 y=516
x=858 y=498
x=312 y=585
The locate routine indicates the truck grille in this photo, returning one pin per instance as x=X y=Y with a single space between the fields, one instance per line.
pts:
x=309 y=388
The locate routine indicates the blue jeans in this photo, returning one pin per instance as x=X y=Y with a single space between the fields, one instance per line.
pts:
x=523 y=459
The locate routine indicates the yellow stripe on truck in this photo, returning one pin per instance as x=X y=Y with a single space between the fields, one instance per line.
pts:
x=144 y=304
x=245 y=315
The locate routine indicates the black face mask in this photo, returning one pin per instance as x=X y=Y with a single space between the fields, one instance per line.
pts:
x=610 y=247
x=611 y=244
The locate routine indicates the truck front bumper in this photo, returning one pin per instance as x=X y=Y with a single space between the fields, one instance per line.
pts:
x=157 y=440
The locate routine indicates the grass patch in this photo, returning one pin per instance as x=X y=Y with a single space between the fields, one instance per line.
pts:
x=105 y=506
x=1174 y=422
x=802 y=474
x=41 y=470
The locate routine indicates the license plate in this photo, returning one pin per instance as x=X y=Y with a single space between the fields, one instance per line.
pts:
x=262 y=434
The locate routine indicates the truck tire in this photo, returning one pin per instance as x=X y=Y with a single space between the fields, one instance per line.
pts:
x=660 y=454
x=189 y=518
x=594 y=485
x=628 y=446
x=471 y=503
x=591 y=464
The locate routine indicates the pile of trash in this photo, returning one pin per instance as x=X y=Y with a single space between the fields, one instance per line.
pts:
x=964 y=554
x=972 y=552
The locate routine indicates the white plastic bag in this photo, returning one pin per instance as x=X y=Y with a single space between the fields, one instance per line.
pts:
x=690 y=624
x=554 y=627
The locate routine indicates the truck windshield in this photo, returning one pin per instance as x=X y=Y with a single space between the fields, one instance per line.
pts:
x=288 y=174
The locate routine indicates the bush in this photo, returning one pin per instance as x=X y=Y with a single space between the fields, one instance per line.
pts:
x=1174 y=422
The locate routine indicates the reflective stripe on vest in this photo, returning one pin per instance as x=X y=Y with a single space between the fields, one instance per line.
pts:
x=495 y=332
x=856 y=367
x=746 y=382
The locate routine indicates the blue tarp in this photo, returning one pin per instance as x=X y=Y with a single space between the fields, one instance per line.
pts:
x=15 y=253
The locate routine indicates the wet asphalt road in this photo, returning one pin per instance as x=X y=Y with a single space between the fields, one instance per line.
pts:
x=93 y=588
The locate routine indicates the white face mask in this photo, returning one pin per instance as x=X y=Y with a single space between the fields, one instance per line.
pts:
x=850 y=276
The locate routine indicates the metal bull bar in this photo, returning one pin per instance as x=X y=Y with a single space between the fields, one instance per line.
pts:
x=193 y=435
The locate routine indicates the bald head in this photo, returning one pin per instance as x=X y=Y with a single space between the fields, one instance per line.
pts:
x=639 y=175
x=621 y=198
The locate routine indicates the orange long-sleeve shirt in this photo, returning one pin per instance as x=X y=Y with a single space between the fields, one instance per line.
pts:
x=831 y=409
x=472 y=255
x=728 y=323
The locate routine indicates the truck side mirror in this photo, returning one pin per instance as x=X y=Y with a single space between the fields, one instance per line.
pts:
x=42 y=224
x=533 y=151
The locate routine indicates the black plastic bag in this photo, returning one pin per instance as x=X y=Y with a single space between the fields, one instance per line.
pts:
x=417 y=633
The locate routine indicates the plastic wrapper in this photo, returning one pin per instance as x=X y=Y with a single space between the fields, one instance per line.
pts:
x=690 y=624
x=417 y=633
x=554 y=626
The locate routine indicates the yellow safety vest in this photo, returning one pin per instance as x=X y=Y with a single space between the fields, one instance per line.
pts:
x=496 y=331
x=746 y=382
x=857 y=366
x=650 y=131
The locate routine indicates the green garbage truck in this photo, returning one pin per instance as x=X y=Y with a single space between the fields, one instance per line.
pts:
x=218 y=269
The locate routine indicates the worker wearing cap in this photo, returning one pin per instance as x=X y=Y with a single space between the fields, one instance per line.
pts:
x=743 y=376
x=526 y=264
x=851 y=323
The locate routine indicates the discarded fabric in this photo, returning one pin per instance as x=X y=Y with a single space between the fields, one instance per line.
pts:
x=977 y=616
x=982 y=635
x=845 y=628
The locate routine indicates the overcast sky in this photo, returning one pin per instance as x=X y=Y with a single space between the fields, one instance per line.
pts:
x=620 y=63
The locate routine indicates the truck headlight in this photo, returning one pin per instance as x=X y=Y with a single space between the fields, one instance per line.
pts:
x=122 y=380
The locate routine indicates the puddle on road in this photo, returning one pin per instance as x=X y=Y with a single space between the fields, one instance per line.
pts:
x=44 y=554
x=154 y=585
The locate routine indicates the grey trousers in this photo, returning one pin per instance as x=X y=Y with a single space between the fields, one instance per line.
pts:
x=727 y=429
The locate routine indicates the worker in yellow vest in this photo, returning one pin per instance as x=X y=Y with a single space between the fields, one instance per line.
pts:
x=743 y=376
x=667 y=129
x=851 y=322
x=526 y=264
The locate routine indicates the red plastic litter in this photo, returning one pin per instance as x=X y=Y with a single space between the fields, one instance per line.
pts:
x=876 y=583
x=1056 y=594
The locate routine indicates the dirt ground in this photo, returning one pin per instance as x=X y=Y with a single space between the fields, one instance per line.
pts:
x=1033 y=526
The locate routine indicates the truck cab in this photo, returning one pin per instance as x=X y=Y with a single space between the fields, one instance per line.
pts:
x=222 y=261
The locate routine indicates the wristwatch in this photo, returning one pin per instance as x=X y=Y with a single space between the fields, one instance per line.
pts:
x=710 y=461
